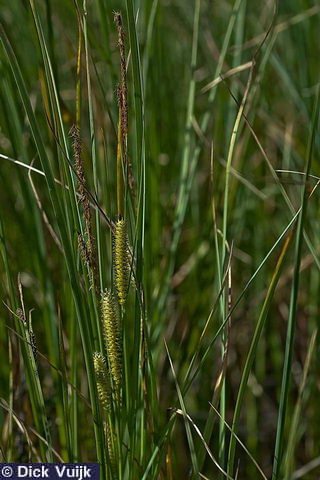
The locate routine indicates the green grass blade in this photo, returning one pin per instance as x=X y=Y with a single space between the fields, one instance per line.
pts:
x=252 y=353
x=279 y=446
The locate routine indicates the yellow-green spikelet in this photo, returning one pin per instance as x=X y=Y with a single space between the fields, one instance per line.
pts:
x=112 y=336
x=121 y=260
x=103 y=381
x=111 y=439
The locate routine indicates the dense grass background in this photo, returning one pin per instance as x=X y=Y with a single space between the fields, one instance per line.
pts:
x=224 y=306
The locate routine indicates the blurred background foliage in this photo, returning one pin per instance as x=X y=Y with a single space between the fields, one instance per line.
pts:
x=181 y=284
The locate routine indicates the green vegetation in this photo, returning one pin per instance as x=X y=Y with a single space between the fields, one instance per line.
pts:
x=159 y=237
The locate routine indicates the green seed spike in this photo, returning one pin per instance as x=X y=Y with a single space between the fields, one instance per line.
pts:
x=112 y=337
x=121 y=260
x=103 y=382
x=111 y=440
